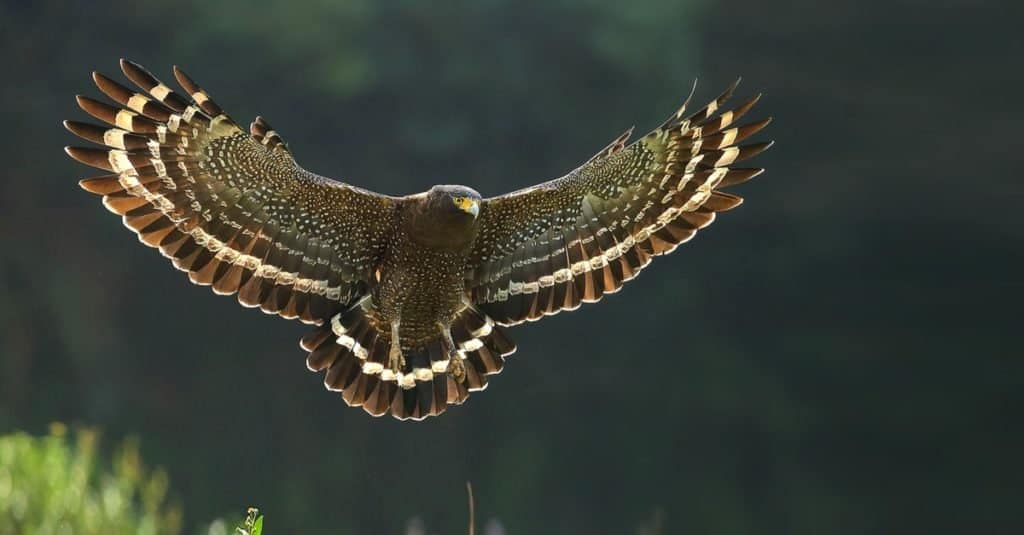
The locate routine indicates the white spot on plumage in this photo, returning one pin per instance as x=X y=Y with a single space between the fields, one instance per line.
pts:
x=563 y=275
x=119 y=161
x=727 y=157
x=728 y=137
x=484 y=329
x=114 y=138
x=158 y=165
x=471 y=345
x=124 y=119
x=373 y=368
x=727 y=119
x=160 y=92
x=137 y=102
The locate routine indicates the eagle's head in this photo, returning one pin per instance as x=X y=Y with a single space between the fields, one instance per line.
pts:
x=445 y=217
x=454 y=202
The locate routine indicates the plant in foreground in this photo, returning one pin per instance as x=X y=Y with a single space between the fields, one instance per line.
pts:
x=60 y=484
x=253 y=523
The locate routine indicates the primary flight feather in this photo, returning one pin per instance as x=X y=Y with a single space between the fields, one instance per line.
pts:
x=409 y=294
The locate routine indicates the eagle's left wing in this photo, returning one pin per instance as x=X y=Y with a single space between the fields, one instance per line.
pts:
x=571 y=240
x=231 y=207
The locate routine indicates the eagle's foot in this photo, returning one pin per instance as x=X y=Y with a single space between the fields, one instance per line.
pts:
x=395 y=359
x=457 y=368
x=455 y=365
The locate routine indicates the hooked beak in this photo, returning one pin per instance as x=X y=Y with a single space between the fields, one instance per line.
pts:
x=474 y=208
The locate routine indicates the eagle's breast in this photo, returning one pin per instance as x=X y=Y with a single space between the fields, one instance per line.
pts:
x=422 y=274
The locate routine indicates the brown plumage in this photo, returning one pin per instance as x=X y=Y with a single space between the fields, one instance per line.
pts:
x=409 y=294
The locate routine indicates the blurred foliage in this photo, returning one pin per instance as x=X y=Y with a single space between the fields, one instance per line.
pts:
x=59 y=484
x=253 y=523
x=838 y=355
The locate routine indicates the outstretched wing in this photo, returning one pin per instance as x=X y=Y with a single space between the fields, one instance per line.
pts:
x=571 y=240
x=232 y=208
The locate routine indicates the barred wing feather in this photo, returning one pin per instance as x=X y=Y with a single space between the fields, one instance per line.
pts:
x=572 y=240
x=230 y=207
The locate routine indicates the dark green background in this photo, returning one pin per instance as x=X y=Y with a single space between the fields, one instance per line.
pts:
x=841 y=355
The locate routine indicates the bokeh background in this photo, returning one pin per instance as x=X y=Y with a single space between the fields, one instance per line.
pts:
x=840 y=355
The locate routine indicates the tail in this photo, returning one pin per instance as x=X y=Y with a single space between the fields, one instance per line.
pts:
x=354 y=351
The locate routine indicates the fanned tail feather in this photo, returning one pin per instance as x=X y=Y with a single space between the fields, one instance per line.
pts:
x=354 y=353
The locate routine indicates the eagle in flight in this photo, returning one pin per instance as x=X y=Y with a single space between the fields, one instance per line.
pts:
x=409 y=295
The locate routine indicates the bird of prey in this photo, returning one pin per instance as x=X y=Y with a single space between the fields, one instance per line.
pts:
x=410 y=295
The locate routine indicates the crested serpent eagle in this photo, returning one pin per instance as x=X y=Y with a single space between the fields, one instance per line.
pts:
x=409 y=295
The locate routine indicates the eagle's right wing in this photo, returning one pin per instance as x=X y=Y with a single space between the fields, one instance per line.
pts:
x=232 y=208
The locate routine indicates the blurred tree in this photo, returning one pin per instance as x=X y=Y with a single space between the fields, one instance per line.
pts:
x=55 y=485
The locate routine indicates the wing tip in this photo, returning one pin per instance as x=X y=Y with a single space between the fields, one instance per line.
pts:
x=727 y=94
x=686 y=103
x=85 y=131
x=138 y=74
x=178 y=72
x=89 y=185
x=186 y=81
x=77 y=154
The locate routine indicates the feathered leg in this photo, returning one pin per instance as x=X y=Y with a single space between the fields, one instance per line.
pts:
x=455 y=365
x=395 y=359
